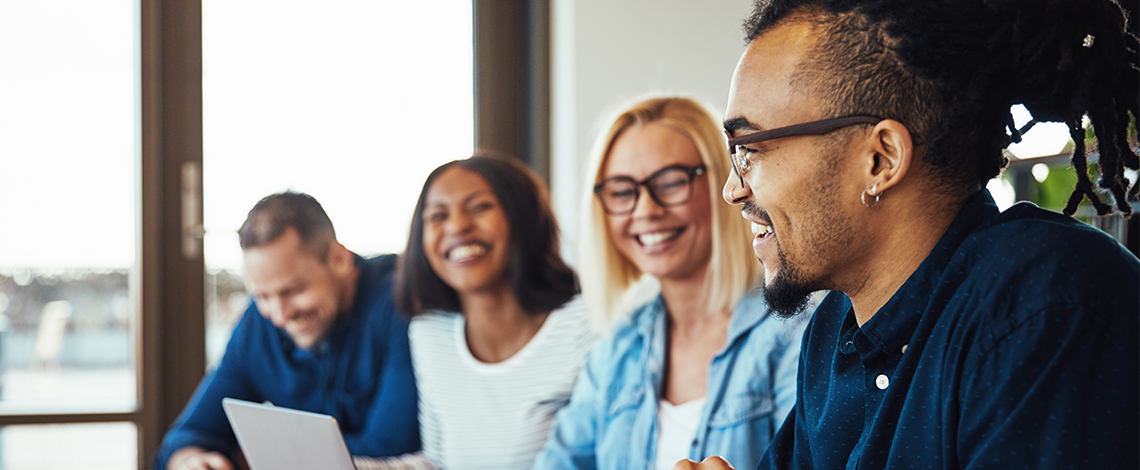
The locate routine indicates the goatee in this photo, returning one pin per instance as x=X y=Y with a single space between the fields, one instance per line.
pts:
x=787 y=295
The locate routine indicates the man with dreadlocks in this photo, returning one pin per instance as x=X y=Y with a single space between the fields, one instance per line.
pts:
x=862 y=134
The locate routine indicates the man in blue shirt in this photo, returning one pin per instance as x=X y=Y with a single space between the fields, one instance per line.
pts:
x=321 y=335
x=863 y=134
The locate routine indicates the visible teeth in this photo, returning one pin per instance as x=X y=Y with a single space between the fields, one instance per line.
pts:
x=463 y=252
x=758 y=229
x=657 y=238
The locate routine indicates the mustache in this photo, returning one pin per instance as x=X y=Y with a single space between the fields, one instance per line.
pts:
x=756 y=212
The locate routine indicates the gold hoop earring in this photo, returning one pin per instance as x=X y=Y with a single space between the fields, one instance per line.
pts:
x=863 y=196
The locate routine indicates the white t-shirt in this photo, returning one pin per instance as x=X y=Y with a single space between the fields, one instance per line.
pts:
x=677 y=427
x=477 y=415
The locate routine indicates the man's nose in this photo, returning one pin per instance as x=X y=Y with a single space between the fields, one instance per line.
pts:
x=734 y=191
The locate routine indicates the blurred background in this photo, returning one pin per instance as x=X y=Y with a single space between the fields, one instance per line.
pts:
x=136 y=134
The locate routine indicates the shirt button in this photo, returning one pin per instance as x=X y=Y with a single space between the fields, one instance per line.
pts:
x=904 y=349
x=882 y=382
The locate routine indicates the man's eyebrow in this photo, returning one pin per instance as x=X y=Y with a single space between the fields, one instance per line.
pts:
x=737 y=124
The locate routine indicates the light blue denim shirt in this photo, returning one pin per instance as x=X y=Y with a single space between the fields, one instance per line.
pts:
x=611 y=421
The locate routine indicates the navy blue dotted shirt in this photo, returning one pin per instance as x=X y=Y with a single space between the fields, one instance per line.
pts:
x=1014 y=345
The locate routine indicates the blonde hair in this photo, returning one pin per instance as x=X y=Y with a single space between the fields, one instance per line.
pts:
x=605 y=274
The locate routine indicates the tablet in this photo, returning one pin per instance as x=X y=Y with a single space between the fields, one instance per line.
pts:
x=276 y=438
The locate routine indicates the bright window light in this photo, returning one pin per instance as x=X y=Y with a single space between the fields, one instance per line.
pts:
x=1043 y=139
x=352 y=101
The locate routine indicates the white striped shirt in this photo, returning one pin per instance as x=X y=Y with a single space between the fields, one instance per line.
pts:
x=476 y=415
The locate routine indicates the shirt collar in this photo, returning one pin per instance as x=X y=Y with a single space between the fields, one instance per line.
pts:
x=749 y=312
x=653 y=317
x=893 y=325
x=364 y=281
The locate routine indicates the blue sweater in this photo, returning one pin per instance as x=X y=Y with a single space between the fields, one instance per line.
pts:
x=1014 y=345
x=360 y=373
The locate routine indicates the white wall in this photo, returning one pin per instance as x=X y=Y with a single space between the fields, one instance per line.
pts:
x=607 y=52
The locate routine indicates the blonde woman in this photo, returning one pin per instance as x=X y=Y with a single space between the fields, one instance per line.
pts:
x=704 y=368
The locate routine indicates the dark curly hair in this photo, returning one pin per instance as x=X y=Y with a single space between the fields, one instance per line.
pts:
x=951 y=70
x=540 y=279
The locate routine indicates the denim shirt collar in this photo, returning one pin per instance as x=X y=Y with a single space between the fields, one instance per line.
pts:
x=747 y=313
x=651 y=333
x=892 y=326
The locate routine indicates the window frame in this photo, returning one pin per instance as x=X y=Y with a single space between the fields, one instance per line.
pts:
x=511 y=70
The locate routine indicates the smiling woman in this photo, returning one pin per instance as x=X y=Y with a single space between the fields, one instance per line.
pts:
x=498 y=333
x=705 y=368
x=466 y=233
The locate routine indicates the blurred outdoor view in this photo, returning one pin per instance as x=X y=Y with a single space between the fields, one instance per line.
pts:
x=353 y=101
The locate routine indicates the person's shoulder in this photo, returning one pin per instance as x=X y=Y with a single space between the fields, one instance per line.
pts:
x=375 y=294
x=1027 y=230
x=616 y=363
x=253 y=339
x=433 y=333
x=572 y=326
x=1029 y=247
x=1031 y=264
x=379 y=268
x=253 y=324
x=572 y=315
x=641 y=318
x=627 y=336
x=434 y=322
x=770 y=330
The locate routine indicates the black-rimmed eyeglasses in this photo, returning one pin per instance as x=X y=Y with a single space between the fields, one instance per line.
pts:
x=739 y=159
x=669 y=186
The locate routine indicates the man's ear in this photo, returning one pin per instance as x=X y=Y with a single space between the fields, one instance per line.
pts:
x=340 y=259
x=890 y=154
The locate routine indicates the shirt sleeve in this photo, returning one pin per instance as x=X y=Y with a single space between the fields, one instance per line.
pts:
x=1055 y=390
x=203 y=422
x=391 y=426
x=572 y=441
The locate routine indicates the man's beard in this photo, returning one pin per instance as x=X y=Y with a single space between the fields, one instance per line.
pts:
x=788 y=294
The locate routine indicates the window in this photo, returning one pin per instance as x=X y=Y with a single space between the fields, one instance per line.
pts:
x=354 y=103
x=68 y=143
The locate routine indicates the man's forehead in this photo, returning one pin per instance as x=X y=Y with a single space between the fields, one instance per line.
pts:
x=284 y=258
x=764 y=81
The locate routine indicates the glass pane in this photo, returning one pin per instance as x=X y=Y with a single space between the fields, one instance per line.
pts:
x=97 y=446
x=354 y=102
x=67 y=202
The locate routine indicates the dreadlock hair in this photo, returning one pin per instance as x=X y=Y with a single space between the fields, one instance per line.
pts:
x=951 y=69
